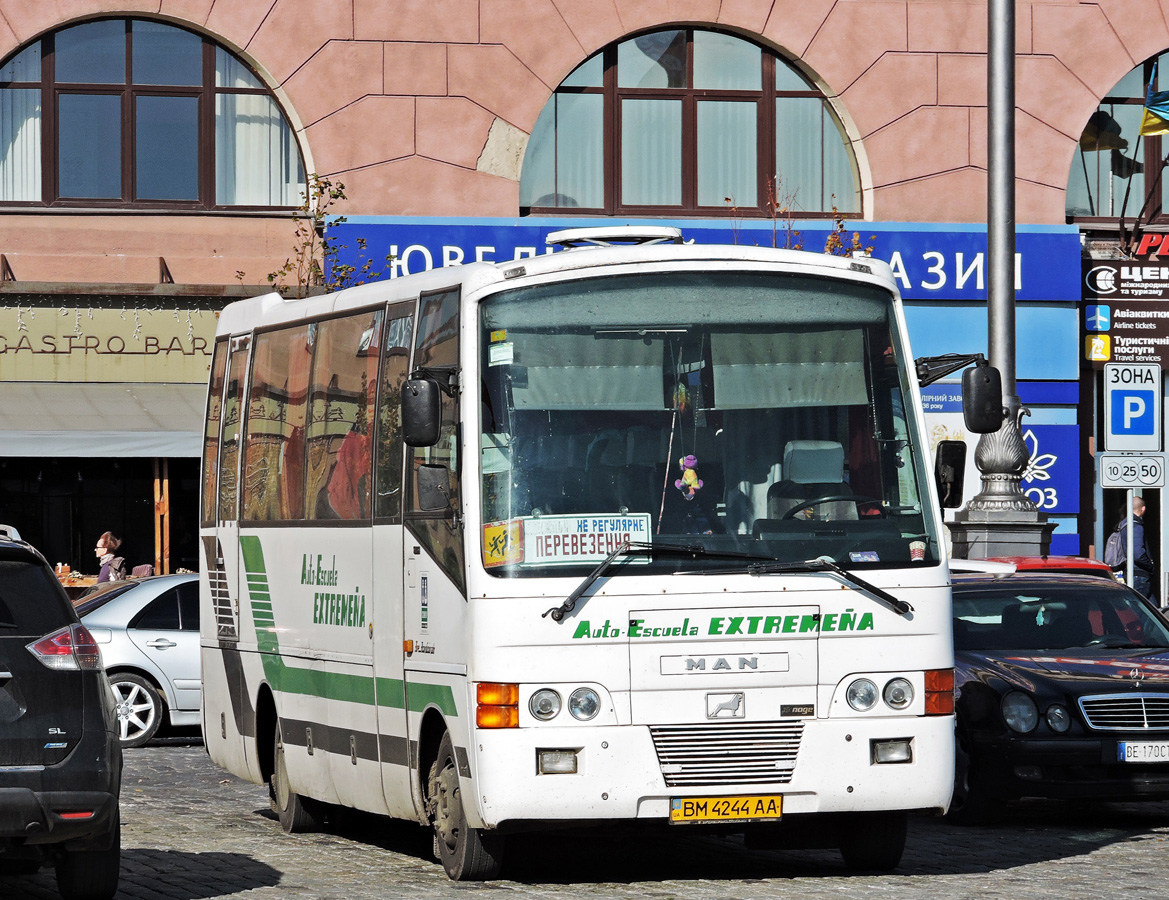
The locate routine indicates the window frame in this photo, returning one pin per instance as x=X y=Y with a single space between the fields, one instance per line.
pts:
x=206 y=93
x=690 y=97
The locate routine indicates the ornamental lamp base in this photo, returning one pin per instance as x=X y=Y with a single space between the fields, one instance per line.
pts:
x=982 y=534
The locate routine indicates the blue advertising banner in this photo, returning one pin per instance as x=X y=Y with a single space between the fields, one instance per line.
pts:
x=930 y=261
x=1052 y=476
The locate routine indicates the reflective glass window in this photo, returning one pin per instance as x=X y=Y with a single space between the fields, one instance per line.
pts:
x=394 y=370
x=339 y=426
x=274 y=468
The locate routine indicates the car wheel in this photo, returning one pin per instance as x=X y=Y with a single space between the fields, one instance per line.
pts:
x=467 y=854
x=91 y=874
x=874 y=841
x=296 y=813
x=971 y=804
x=139 y=708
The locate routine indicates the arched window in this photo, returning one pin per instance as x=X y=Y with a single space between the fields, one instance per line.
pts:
x=688 y=121
x=1115 y=168
x=135 y=113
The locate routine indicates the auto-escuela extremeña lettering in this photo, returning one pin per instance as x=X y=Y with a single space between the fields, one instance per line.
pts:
x=331 y=607
x=725 y=626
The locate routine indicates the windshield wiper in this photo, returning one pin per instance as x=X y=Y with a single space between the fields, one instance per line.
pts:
x=638 y=547
x=822 y=563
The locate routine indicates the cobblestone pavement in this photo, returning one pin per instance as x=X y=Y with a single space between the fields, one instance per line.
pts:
x=192 y=832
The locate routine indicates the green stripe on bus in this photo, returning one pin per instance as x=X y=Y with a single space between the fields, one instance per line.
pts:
x=422 y=695
x=386 y=692
x=391 y=693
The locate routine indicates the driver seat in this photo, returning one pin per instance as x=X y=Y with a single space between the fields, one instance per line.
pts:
x=811 y=469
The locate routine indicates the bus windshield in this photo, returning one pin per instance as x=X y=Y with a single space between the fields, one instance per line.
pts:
x=742 y=412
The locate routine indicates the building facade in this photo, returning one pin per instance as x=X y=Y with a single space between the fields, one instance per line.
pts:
x=152 y=155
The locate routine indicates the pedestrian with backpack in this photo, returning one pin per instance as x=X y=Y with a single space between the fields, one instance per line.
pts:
x=1144 y=570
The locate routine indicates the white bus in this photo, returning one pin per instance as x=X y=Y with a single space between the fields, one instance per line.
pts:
x=636 y=534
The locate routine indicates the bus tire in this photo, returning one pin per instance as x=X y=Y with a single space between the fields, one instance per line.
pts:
x=874 y=842
x=294 y=811
x=467 y=854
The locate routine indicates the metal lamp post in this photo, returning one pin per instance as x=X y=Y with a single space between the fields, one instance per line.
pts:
x=1001 y=520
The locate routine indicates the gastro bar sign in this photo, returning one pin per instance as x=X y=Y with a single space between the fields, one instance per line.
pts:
x=1132 y=407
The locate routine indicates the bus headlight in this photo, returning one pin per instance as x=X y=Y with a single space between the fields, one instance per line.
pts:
x=898 y=693
x=862 y=695
x=1020 y=712
x=584 y=704
x=545 y=704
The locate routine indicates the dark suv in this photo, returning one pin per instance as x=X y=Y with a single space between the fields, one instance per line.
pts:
x=60 y=759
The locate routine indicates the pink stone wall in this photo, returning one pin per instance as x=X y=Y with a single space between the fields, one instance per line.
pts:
x=396 y=98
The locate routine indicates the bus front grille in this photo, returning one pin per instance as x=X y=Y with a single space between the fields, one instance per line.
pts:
x=726 y=753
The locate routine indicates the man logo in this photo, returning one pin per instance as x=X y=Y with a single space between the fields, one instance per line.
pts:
x=725 y=706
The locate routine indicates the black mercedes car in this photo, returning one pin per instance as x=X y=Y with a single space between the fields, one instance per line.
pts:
x=60 y=758
x=1062 y=691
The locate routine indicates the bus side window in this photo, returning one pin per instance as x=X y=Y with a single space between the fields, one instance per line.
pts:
x=232 y=416
x=437 y=346
x=395 y=367
x=273 y=485
x=340 y=418
x=211 y=433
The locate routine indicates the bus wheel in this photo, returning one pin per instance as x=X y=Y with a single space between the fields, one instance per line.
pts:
x=467 y=854
x=291 y=809
x=874 y=841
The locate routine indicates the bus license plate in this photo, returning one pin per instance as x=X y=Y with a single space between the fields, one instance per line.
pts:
x=1142 y=751
x=725 y=809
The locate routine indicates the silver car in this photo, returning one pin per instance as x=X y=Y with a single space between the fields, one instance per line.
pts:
x=148 y=632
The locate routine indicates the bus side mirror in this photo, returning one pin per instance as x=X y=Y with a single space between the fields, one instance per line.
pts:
x=950 y=472
x=434 y=491
x=421 y=412
x=982 y=399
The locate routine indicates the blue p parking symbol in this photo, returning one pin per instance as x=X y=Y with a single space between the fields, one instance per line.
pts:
x=1132 y=406
x=1133 y=412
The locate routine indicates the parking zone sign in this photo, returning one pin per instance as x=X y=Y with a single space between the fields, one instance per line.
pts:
x=1132 y=407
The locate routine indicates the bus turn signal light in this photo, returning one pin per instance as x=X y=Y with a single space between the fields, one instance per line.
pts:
x=939 y=692
x=497 y=716
x=497 y=705
x=492 y=694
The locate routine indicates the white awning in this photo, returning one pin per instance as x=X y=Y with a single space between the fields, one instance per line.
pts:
x=95 y=420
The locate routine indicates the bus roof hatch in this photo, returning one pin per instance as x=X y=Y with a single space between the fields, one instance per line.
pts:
x=606 y=236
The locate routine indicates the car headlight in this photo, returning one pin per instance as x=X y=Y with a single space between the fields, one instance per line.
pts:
x=862 y=695
x=544 y=704
x=1020 y=712
x=898 y=693
x=1059 y=719
x=584 y=703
